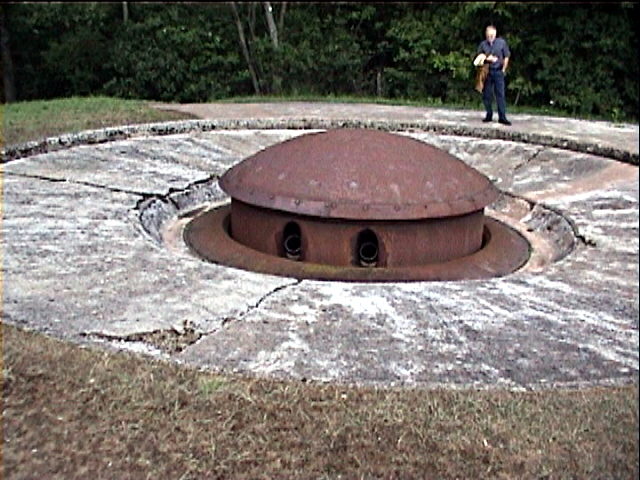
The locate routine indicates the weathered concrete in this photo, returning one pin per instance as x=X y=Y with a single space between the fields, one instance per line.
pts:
x=92 y=253
x=612 y=140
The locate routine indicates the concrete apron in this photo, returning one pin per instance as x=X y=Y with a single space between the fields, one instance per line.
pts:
x=93 y=253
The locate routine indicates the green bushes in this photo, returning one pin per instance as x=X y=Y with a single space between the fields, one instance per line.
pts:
x=580 y=59
x=171 y=62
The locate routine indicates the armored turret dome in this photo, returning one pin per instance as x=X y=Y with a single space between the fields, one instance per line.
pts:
x=359 y=174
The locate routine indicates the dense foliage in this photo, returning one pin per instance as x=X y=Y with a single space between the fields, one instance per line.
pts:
x=581 y=58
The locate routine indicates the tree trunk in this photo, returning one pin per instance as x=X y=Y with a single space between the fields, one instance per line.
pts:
x=245 y=49
x=283 y=9
x=125 y=12
x=8 y=79
x=252 y=20
x=273 y=30
x=276 y=80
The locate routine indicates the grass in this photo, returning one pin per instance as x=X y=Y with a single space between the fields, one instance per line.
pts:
x=32 y=120
x=75 y=412
x=72 y=412
x=338 y=99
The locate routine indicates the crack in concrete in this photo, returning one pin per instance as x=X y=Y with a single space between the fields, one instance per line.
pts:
x=528 y=160
x=155 y=211
x=531 y=203
x=581 y=238
x=172 y=341
x=173 y=191
x=574 y=228
x=144 y=195
x=169 y=340
x=260 y=301
x=79 y=182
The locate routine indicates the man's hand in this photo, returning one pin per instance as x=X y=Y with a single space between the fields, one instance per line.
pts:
x=505 y=65
x=492 y=59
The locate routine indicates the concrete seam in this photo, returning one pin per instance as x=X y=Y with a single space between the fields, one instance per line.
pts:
x=78 y=182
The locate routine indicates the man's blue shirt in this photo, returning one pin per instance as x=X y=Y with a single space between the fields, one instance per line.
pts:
x=499 y=48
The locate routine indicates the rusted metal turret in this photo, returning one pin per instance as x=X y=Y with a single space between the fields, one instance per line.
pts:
x=363 y=205
x=358 y=197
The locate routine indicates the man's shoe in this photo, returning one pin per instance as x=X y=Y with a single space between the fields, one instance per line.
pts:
x=486 y=119
x=504 y=121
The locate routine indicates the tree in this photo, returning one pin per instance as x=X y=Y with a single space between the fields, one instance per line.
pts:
x=261 y=51
x=8 y=80
x=245 y=49
x=176 y=52
x=422 y=51
x=273 y=30
x=276 y=80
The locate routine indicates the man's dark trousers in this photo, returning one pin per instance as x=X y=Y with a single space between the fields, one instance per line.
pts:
x=494 y=84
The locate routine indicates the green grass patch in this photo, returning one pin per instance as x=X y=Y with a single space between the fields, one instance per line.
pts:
x=34 y=120
x=331 y=99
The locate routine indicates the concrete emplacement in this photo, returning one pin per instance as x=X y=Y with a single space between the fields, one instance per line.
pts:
x=358 y=205
x=94 y=253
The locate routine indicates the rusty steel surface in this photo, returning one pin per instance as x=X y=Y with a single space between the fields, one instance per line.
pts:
x=393 y=243
x=359 y=174
x=504 y=251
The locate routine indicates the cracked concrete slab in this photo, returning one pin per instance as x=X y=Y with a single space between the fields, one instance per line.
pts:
x=93 y=253
x=78 y=261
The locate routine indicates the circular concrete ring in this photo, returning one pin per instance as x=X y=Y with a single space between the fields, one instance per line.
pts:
x=96 y=217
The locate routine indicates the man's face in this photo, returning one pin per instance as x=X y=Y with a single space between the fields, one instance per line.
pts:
x=490 y=34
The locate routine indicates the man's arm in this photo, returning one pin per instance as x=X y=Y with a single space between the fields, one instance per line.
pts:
x=506 y=53
x=505 y=64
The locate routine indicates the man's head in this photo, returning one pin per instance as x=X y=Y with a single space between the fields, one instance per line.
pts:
x=490 y=33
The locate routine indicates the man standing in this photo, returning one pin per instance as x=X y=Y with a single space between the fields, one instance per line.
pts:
x=497 y=56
